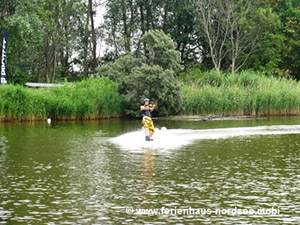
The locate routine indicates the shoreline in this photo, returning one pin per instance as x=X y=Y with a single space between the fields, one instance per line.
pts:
x=177 y=117
x=210 y=117
x=60 y=118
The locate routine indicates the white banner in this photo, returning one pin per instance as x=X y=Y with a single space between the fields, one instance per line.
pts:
x=4 y=58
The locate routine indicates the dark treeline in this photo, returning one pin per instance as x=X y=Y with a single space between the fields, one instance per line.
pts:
x=48 y=38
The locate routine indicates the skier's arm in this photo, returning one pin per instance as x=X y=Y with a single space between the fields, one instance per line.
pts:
x=144 y=108
x=152 y=107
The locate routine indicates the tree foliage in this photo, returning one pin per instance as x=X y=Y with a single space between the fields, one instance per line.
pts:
x=54 y=40
x=161 y=51
x=45 y=38
x=289 y=13
x=152 y=76
x=153 y=82
x=119 y=70
x=234 y=30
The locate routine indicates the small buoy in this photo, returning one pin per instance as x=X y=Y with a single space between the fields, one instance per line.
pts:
x=163 y=128
x=49 y=120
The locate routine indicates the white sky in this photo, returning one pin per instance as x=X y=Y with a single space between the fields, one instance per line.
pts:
x=99 y=19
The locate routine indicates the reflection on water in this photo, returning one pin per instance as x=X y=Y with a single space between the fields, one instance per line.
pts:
x=72 y=174
x=4 y=214
x=148 y=163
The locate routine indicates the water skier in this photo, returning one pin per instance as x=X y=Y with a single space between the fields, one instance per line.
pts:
x=147 y=122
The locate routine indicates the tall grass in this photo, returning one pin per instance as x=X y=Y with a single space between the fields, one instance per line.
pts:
x=246 y=93
x=88 y=99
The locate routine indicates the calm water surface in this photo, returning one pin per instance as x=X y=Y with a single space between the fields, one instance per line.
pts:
x=71 y=173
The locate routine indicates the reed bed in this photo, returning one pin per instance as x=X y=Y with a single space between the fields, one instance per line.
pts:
x=88 y=99
x=246 y=93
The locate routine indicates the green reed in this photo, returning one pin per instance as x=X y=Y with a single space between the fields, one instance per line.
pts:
x=88 y=99
x=246 y=93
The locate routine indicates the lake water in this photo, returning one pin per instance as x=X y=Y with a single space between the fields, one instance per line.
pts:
x=195 y=172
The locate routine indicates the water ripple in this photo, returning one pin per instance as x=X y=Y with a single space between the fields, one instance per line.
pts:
x=91 y=181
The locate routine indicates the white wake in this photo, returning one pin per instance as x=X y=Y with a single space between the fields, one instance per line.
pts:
x=176 y=138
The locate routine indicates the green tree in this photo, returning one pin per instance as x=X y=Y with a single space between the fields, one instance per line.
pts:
x=151 y=75
x=63 y=28
x=289 y=13
x=155 y=83
x=179 y=21
x=268 y=55
x=127 y=20
x=161 y=50
x=119 y=70
x=25 y=40
x=121 y=26
x=46 y=38
x=252 y=26
x=235 y=30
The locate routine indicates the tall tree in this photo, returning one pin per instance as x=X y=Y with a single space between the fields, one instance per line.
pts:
x=113 y=28
x=234 y=30
x=178 y=20
x=93 y=34
x=215 y=26
x=249 y=22
x=25 y=39
x=86 y=44
x=46 y=37
x=289 y=13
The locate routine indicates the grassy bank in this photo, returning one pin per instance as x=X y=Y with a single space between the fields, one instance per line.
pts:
x=88 y=99
x=247 y=93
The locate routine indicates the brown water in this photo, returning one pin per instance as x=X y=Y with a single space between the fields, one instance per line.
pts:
x=71 y=173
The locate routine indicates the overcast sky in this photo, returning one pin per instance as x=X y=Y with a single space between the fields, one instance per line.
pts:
x=100 y=11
